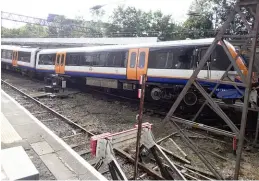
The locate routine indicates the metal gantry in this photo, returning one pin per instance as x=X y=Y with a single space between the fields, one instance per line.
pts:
x=73 y=24
x=253 y=7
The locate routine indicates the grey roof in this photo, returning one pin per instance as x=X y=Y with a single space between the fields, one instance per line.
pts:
x=79 y=41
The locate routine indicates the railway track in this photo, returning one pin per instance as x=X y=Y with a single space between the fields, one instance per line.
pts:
x=97 y=113
x=76 y=136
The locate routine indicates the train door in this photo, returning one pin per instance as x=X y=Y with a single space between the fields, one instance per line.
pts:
x=60 y=63
x=15 y=58
x=142 y=62
x=137 y=63
x=206 y=70
x=132 y=64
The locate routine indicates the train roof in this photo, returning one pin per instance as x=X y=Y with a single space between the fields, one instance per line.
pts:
x=196 y=42
x=18 y=48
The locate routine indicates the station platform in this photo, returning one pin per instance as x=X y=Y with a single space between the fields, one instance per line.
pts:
x=50 y=155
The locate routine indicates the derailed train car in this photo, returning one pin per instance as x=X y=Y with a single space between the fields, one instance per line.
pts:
x=168 y=66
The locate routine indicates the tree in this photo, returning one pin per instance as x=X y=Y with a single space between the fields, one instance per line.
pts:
x=211 y=14
x=134 y=22
x=26 y=31
x=200 y=20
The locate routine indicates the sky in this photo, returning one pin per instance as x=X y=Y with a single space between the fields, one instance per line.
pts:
x=72 y=8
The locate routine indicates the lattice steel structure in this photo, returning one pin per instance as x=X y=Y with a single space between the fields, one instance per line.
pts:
x=43 y=22
x=252 y=37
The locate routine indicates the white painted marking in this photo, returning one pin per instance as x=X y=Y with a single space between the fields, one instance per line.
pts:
x=8 y=133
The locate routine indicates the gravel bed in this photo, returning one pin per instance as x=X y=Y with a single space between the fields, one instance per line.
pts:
x=100 y=114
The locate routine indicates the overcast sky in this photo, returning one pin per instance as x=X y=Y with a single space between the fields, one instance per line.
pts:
x=72 y=8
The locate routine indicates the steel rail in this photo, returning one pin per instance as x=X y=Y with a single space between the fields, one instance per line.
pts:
x=154 y=174
x=48 y=108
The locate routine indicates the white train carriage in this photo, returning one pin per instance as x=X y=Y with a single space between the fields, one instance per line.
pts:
x=22 y=58
x=7 y=56
x=170 y=62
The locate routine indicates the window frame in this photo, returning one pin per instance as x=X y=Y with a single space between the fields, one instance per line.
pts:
x=142 y=61
x=51 y=56
x=21 y=54
x=135 y=60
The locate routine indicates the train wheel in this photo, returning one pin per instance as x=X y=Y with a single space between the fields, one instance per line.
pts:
x=190 y=99
x=156 y=94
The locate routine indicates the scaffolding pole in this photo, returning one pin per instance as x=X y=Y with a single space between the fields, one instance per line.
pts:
x=252 y=5
x=247 y=94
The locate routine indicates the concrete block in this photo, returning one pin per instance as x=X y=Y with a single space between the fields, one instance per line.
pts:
x=17 y=165
x=72 y=162
x=18 y=118
x=57 y=167
x=31 y=132
x=42 y=148
x=22 y=143
x=53 y=142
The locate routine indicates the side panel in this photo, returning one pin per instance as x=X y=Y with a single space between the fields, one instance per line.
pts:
x=132 y=64
x=142 y=62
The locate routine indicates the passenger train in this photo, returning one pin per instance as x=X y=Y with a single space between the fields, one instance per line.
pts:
x=168 y=66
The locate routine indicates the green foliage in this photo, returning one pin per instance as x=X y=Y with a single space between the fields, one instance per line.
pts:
x=27 y=31
x=211 y=14
x=136 y=23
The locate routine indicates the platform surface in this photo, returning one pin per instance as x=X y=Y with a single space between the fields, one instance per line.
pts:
x=17 y=164
x=20 y=128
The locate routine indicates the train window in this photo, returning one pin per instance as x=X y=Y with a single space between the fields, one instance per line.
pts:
x=62 y=59
x=95 y=60
x=133 y=59
x=9 y=54
x=102 y=59
x=160 y=60
x=125 y=58
x=24 y=56
x=72 y=59
x=141 y=63
x=3 y=53
x=115 y=59
x=57 y=59
x=170 y=59
x=118 y=61
x=182 y=58
x=110 y=59
x=47 y=59
x=220 y=60
x=85 y=60
x=99 y=60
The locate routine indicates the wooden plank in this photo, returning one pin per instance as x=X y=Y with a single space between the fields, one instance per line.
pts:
x=196 y=173
x=65 y=137
x=213 y=153
x=77 y=144
x=51 y=119
x=189 y=170
x=83 y=152
x=175 y=156
x=41 y=94
x=166 y=137
x=182 y=152
x=142 y=166
x=199 y=170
